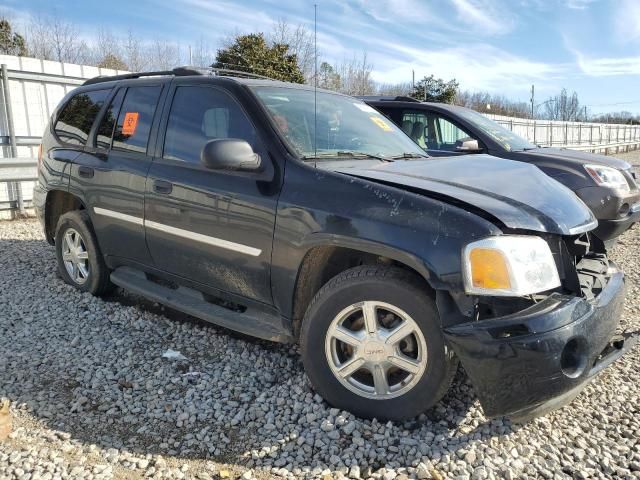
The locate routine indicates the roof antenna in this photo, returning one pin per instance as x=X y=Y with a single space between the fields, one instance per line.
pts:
x=315 y=80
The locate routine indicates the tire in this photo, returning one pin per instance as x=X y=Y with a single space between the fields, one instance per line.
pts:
x=398 y=298
x=95 y=279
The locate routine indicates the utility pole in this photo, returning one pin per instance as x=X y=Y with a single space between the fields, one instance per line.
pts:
x=532 y=100
x=413 y=79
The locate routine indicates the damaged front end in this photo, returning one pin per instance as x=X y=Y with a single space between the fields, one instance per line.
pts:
x=530 y=354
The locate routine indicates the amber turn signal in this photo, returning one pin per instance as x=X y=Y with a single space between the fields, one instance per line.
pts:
x=489 y=269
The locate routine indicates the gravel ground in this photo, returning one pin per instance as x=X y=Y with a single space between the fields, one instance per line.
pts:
x=92 y=397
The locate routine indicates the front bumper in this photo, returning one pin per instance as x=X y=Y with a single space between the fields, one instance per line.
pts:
x=610 y=230
x=616 y=211
x=526 y=364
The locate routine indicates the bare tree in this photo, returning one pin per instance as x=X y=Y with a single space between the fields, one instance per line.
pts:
x=300 y=42
x=201 y=54
x=618 y=117
x=394 y=89
x=107 y=52
x=563 y=107
x=106 y=43
x=498 y=104
x=134 y=53
x=52 y=38
x=164 y=55
x=328 y=78
x=355 y=76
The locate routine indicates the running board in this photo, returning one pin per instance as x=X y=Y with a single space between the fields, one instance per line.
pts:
x=251 y=322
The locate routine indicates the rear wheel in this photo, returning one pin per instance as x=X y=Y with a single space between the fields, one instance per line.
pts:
x=80 y=261
x=372 y=344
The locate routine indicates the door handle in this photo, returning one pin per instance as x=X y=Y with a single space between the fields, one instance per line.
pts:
x=160 y=186
x=86 y=172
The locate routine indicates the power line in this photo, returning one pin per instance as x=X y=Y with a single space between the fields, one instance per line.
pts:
x=612 y=104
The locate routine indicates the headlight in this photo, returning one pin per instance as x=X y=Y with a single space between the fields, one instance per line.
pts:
x=510 y=266
x=607 y=177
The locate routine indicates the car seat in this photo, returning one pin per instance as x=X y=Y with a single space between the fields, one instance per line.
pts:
x=417 y=134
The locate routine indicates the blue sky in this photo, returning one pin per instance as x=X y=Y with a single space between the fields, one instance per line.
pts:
x=502 y=46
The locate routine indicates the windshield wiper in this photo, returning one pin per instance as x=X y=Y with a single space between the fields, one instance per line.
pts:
x=346 y=153
x=409 y=155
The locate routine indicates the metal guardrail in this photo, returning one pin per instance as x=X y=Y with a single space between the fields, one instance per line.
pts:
x=6 y=94
x=574 y=135
x=13 y=171
x=605 y=147
x=18 y=170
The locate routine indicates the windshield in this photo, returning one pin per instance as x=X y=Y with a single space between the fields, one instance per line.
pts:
x=345 y=125
x=506 y=138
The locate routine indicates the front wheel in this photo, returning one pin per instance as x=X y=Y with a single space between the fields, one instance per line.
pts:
x=371 y=344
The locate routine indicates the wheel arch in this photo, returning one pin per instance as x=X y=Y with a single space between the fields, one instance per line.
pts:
x=325 y=259
x=58 y=203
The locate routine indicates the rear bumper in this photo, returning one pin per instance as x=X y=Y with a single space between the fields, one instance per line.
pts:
x=529 y=363
x=39 y=203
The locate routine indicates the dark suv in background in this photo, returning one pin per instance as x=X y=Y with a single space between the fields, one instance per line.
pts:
x=606 y=184
x=306 y=216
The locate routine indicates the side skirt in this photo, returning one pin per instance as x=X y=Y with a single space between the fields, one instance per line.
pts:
x=194 y=302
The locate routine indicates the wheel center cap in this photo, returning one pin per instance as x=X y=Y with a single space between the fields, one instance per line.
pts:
x=374 y=351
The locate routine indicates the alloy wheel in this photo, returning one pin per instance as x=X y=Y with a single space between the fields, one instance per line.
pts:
x=75 y=256
x=376 y=350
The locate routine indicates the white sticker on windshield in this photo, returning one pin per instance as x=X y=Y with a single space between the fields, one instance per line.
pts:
x=365 y=108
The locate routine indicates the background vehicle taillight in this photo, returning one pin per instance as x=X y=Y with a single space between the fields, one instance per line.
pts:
x=39 y=156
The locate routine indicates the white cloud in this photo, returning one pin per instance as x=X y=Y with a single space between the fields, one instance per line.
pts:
x=478 y=17
x=392 y=11
x=579 y=4
x=602 y=67
x=224 y=17
x=482 y=67
x=626 y=21
x=483 y=15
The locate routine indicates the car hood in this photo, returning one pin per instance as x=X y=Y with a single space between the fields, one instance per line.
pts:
x=518 y=194
x=575 y=156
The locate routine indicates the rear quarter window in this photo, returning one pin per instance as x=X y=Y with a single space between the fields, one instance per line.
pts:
x=77 y=116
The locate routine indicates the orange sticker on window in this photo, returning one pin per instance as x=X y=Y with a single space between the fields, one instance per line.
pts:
x=130 y=123
x=381 y=123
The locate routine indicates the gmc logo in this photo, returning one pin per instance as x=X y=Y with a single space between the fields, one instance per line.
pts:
x=374 y=351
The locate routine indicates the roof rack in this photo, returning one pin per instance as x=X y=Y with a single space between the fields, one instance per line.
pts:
x=404 y=98
x=179 y=72
x=388 y=98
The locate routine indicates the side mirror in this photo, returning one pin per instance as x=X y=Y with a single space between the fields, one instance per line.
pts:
x=468 y=144
x=230 y=154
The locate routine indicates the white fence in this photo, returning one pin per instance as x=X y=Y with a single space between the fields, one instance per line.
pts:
x=576 y=135
x=31 y=89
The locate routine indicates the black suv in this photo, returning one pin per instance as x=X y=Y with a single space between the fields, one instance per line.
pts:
x=306 y=216
x=606 y=184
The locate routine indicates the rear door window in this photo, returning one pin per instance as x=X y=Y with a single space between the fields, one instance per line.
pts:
x=77 y=117
x=135 y=118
